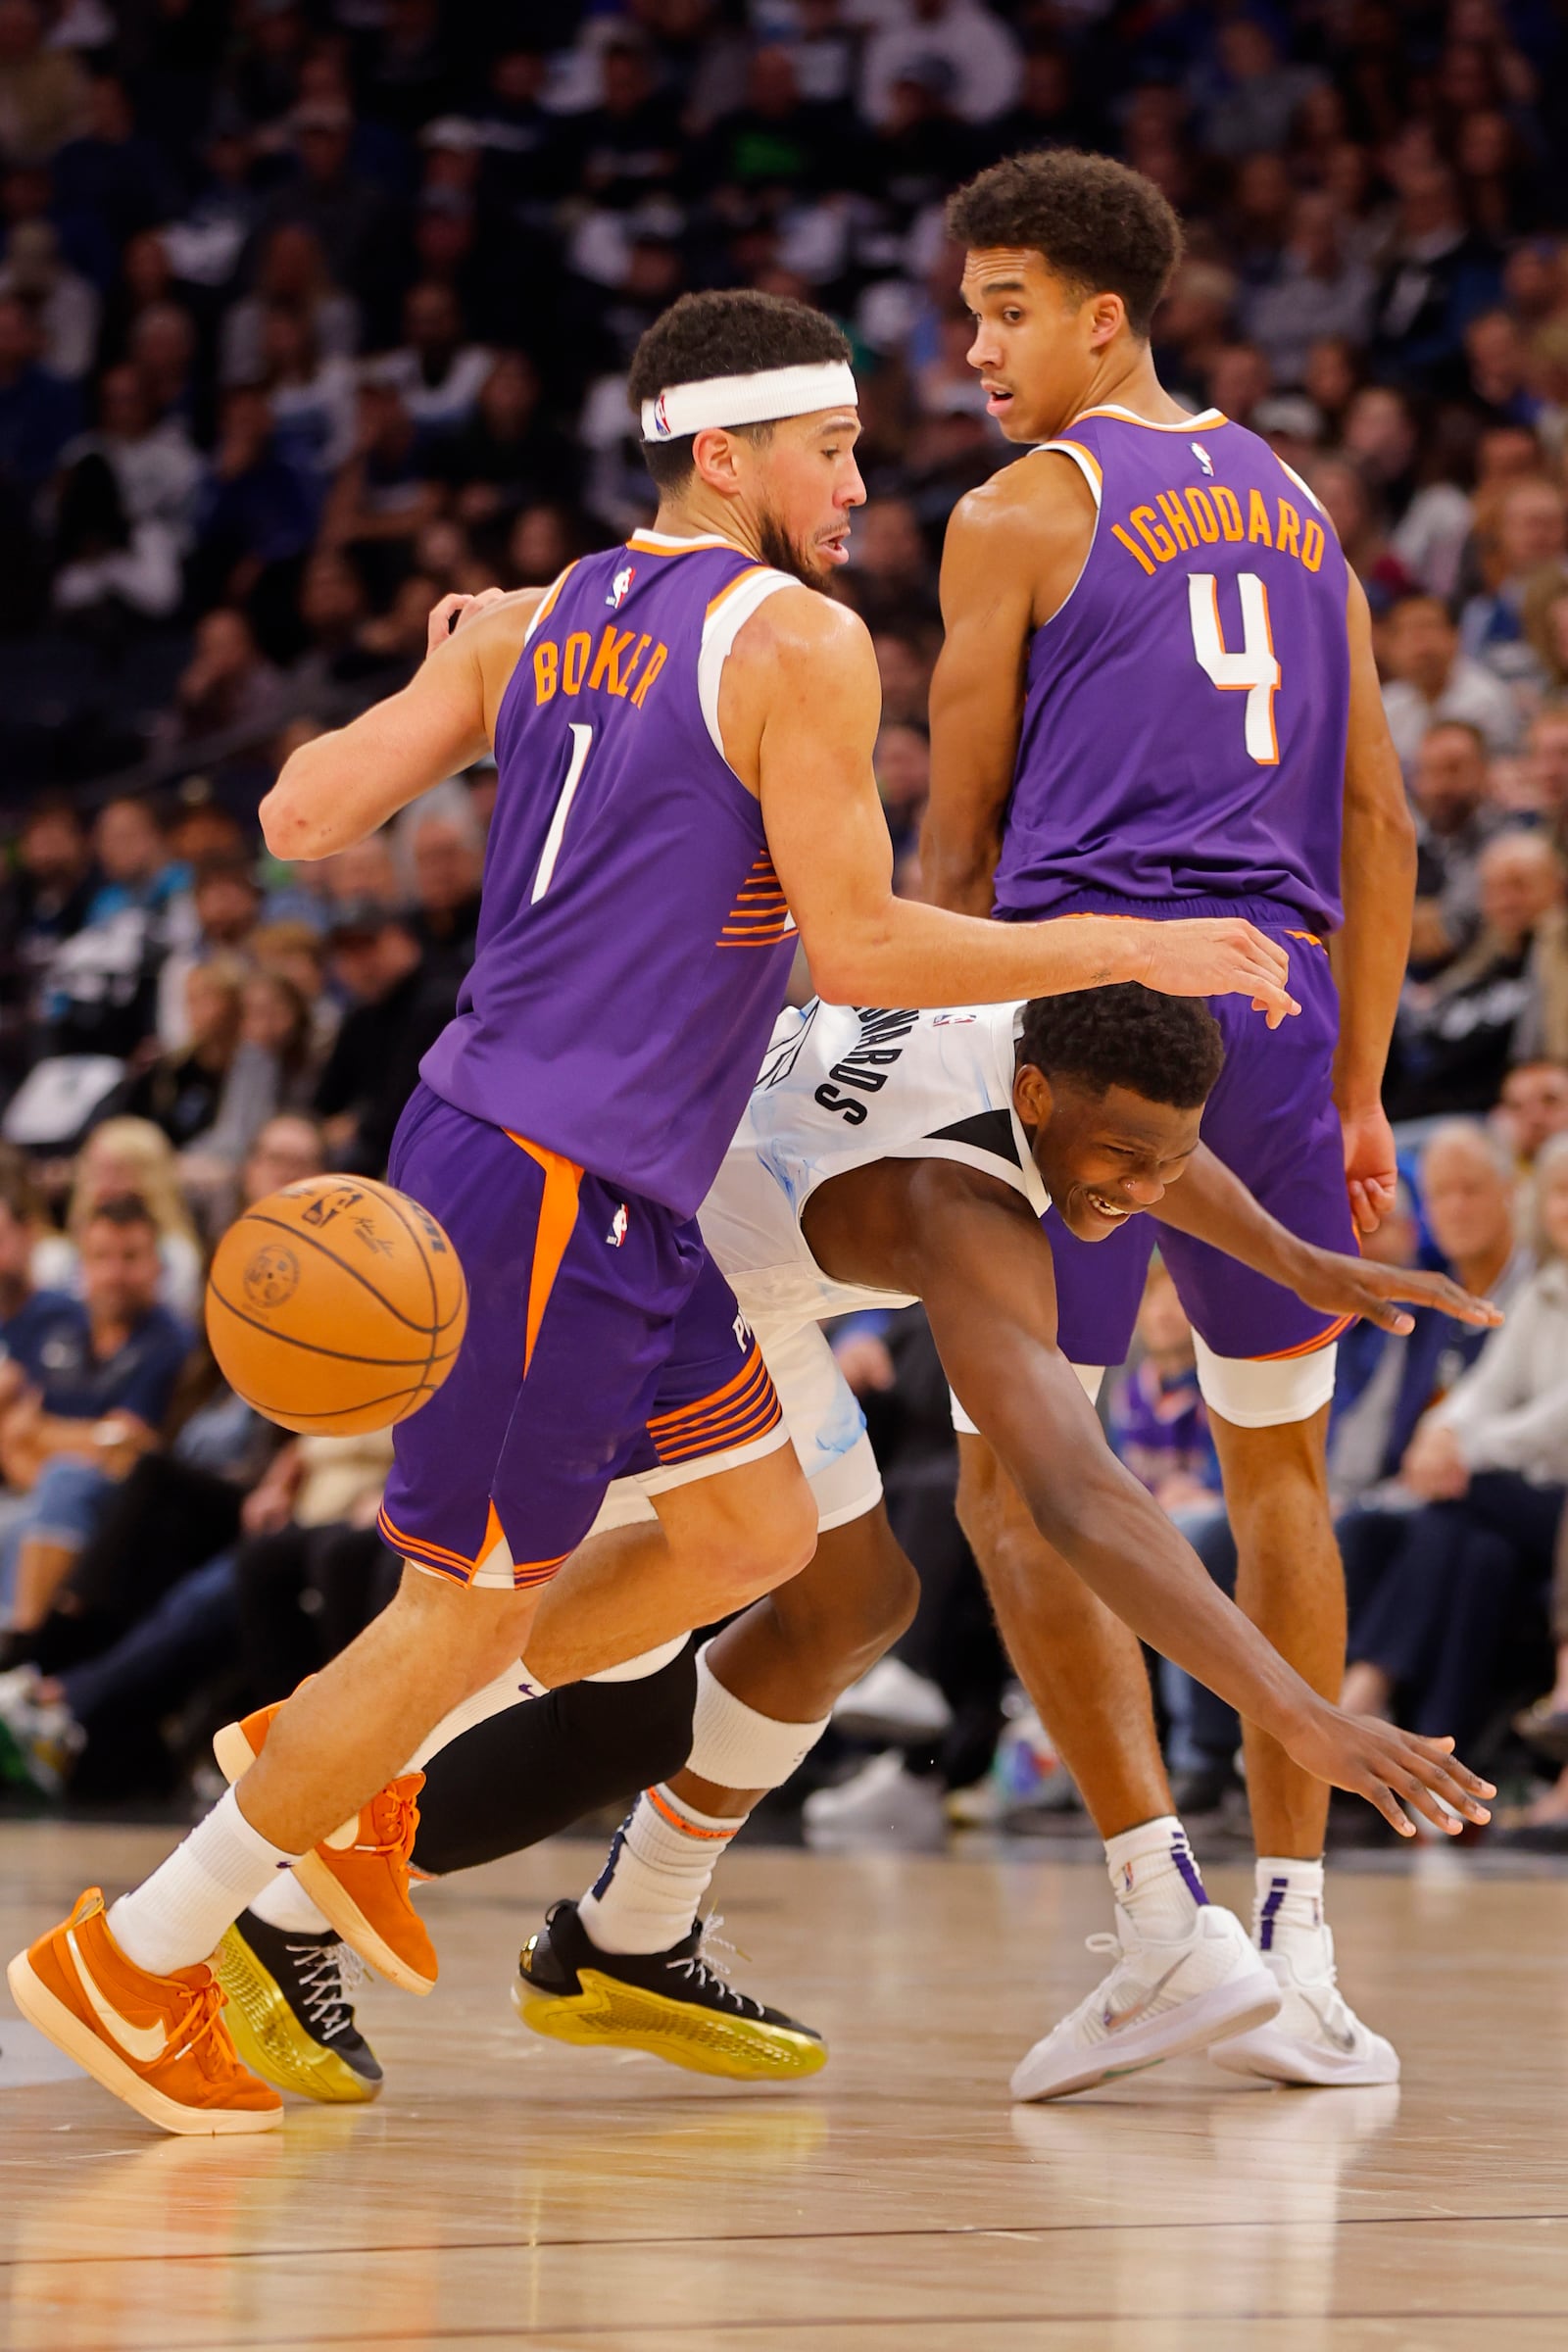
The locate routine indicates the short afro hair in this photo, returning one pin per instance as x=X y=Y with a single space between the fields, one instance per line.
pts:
x=1101 y=227
x=1166 y=1049
x=736 y=334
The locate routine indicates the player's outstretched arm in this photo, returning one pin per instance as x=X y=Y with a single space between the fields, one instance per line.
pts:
x=1370 y=952
x=335 y=790
x=1211 y=1204
x=799 y=710
x=980 y=1261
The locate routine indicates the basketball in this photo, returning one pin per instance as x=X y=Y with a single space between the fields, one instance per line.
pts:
x=336 y=1305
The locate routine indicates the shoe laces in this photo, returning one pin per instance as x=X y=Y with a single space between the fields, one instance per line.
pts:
x=394 y=1819
x=707 y=1969
x=327 y=1975
x=201 y=2035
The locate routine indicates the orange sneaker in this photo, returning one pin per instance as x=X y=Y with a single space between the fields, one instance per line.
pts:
x=359 y=1875
x=160 y=2043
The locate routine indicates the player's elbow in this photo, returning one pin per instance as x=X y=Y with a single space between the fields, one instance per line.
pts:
x=286 y=826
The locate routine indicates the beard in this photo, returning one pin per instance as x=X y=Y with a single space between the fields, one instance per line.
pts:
x=780 y=552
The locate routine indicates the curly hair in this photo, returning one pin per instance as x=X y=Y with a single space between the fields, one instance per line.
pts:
x=1099 y=227
x=1166 y=1049
x=739 y=332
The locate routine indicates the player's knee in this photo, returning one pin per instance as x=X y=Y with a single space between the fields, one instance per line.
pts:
x=859 y=1596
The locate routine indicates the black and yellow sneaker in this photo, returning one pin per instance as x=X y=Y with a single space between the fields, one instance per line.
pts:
x=676 y=2004
x=289 y=2012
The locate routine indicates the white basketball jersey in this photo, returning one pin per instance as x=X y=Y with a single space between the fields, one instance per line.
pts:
x=843 y=1087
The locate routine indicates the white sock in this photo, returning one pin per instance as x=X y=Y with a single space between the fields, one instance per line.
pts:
x=285 y=1904
x=659 y=1863
x=1154 y=1878
x=177 y=1917
x=1288 y=1904
x=665 y=1852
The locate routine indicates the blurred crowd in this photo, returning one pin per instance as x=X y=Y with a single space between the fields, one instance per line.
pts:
x=312 y=311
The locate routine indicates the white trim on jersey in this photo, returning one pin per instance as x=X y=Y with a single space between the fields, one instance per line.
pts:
x=1306 y=488
x=1086 y=466
x=1204 y=423
x=720 y=630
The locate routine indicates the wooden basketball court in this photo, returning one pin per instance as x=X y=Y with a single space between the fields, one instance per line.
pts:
x=507 y=2190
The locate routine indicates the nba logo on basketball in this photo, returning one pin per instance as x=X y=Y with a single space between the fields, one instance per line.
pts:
x=619 y=586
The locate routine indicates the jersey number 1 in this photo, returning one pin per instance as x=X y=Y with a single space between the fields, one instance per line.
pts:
x=582 y=739
x=1254 y=670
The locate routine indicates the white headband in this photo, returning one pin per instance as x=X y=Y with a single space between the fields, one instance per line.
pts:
x=719 y=400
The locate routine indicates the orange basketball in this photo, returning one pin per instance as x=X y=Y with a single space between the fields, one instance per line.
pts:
x=336 y=1305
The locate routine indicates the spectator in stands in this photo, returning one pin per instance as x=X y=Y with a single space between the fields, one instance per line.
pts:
x=446 y=851
x=1460 y=1603
x=227 y=900
x=272 y=1075
x=110 y=171
x=110 y=574
x=1531 y=538
x=1457 y=1032
x=38 y=412
x=127 y=1157
x=105 y=1392
x=157 y=468
x=437 y=376
x=228 y=688
x=1317 y=288
x=903 y=765
x=65 y=304
x=352 y=221
x=311 y=393
x=43 y=901
x=30 y=1317
x=292 y=270
x=181 y=1092
x=399 y=1005
x=383 y=495
x=42 y=88
x=1430 y=681
x=258 y=512
x=1453 y=824
x=976 y=51
x=1436 y=275
x=505 y=456
x=1533 y=1107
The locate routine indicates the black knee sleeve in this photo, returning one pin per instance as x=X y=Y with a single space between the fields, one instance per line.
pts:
x=539 y=1767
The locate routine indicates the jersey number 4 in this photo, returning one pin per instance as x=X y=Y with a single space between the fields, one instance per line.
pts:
x=1254 y=670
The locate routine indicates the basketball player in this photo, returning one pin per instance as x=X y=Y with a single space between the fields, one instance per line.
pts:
x=886 y=1156
x=1157 y=697
x=683 y=731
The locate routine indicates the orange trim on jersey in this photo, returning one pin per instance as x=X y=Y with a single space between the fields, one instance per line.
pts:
x=1311 y=938
x=687 y=1828
x=754 y=573
x=558 y=1219
x=543 y=611
x=455 y=1564
x=749 y=1418
x=1062 y=445
x=1283 y=1356
x=642 y=543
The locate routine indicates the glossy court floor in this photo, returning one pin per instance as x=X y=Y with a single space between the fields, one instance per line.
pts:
x=508 y=2191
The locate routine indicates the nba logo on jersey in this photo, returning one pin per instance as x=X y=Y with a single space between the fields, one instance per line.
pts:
x=1202 y=456
x=617 y=1227
x=620 y=586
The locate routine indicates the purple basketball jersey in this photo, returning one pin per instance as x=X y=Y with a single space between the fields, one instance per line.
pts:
x=1183 y=740
x=634 y=942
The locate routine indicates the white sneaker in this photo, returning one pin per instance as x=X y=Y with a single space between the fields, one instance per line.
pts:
x=1164 y=1998
x=1317 y=2037
x=892 y=1702
x=883 y=1805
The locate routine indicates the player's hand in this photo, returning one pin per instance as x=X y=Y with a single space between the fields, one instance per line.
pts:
x=1376 y=1760
x=1359 y=1286
x=453 y=612
x=1217 y=955
x=1371 y=1170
